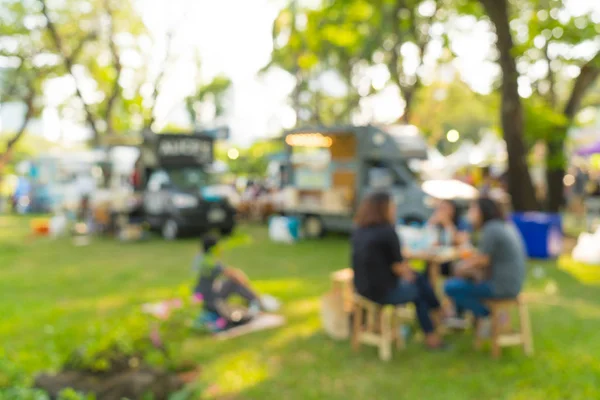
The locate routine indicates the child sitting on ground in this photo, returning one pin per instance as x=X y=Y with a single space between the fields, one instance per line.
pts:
x=218 y=284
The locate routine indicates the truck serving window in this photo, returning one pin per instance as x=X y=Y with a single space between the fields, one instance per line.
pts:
x=310 y=167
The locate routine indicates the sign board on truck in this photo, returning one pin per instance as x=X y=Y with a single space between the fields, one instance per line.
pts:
x=184 y=149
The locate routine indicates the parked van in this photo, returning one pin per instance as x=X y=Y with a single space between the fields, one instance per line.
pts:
x=329 y=170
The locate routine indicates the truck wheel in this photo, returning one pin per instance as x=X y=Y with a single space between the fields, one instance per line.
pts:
x=170 y=230
x=313 y=228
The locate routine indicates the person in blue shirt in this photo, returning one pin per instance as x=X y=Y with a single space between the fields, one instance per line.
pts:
x=450 y=228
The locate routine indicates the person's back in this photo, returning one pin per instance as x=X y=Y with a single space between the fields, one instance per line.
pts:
x=505 y=247
x=209 y=271
x=372 y=260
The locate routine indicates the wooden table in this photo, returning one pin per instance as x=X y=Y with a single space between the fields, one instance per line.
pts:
x=342 y=280
x=435 y=260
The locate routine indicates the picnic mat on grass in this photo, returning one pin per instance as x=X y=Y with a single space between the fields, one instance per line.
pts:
x=260 y=323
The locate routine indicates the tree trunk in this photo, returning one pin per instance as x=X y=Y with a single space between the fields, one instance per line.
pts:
x=520 y=184
x=409 y=96
x=68 y=61
x=555 y=171
x=555 y=194
x=26 y=118
x=160 y=77
x=587 y=76
x=116 y=87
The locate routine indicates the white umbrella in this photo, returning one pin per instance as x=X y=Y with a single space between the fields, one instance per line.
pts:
x=448 y=189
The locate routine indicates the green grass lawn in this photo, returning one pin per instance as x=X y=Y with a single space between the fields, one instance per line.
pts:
x=52 y=292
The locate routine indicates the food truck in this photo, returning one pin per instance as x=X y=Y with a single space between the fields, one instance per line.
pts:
x=56 y=179
x=173 y=195
x=329 y=170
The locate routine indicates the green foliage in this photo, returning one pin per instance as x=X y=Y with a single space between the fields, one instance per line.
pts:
x=551 y=20
x=70 y=394
x=189 y=392
x=346 y=37
x=23 y=393
x=213 y=91
x=252 y=161
x=174 y=128
x=442 y=106
x=10 y=375
x=337 y=37
x=546 y=32
x=137 y=339
x=23 y=75
x=108 y=344
x=24 y=149
x=543 y=123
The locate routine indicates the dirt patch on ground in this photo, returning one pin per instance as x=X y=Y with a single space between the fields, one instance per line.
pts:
x=126 y=379
x=133 y=384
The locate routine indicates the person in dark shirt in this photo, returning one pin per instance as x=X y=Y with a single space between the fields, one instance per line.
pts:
x=380 y=272
x=217 y=281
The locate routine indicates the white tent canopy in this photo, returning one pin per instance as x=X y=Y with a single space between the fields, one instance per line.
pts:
x=435 y=165
x=493 y=149
x=490 y=151
x=450 y=189
x=460 y=158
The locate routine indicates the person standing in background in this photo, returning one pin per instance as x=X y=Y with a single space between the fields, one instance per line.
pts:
x=137 y=176
x=486 y=185
x=86 y=185
x=577 y=193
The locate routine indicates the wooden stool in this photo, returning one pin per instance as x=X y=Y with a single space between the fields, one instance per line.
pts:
x=341 y=283
x=378 y=325
x=503 y=338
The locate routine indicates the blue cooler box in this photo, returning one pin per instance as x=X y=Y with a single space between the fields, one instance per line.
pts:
x=542 y=233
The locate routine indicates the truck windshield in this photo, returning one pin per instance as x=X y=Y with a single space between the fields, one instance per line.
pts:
x=188 y=178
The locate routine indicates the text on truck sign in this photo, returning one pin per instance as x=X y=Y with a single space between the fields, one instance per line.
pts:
x=196 y=150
